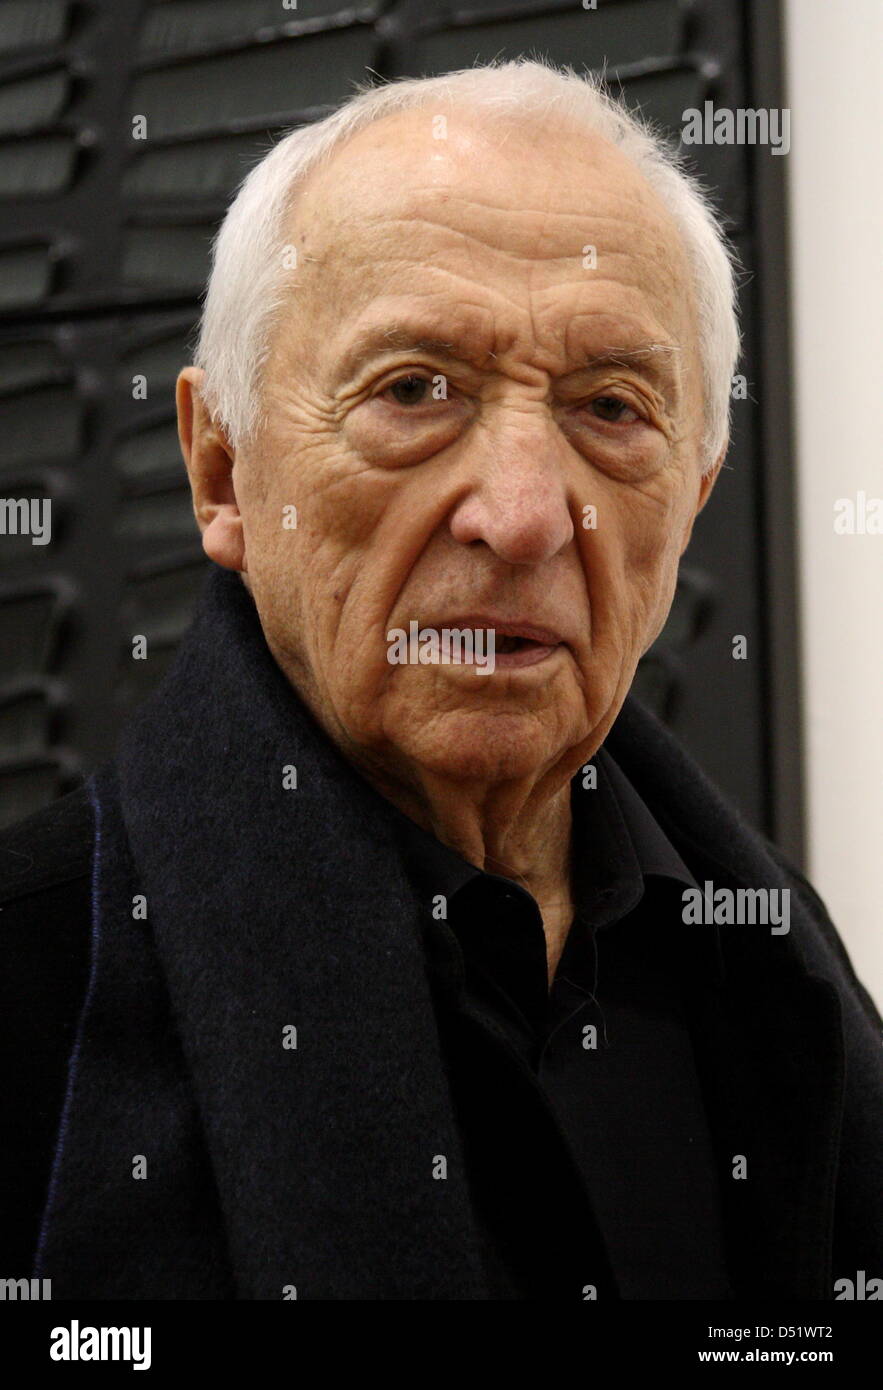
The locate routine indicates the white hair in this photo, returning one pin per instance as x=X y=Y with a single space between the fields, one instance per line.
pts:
x=247 y=287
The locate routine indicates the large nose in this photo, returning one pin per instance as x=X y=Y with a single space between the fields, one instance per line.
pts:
x=517 y=503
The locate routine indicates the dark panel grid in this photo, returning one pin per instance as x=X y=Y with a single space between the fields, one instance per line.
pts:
x=104 y=242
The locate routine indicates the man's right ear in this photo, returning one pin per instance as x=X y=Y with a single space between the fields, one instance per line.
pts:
x=209 y=461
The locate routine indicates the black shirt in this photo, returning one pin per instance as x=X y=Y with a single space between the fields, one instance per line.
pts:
x=584 y=1131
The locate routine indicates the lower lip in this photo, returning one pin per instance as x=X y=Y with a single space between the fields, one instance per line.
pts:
x=525 y=656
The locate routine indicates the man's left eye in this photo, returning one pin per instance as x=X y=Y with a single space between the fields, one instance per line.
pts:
x=612 y=409
x=409 y=390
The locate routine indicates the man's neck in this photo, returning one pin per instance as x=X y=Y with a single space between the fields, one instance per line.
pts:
x=502 y=832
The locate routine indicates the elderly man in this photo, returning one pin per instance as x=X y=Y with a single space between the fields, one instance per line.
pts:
x=392 y=987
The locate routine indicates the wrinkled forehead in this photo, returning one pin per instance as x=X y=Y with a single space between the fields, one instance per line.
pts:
x=457 y=205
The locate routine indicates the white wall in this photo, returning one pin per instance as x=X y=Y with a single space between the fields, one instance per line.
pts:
x=834 y=79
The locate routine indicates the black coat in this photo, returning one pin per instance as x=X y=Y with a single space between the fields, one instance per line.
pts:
x=270 y=1168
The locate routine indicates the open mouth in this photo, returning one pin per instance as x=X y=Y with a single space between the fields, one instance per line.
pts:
x=503 y=645
x=510 y=651
x=507 y=642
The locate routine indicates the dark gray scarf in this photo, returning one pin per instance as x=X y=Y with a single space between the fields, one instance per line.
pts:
x=272 y=1168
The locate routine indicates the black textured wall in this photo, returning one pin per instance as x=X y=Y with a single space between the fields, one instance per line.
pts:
x=103 y=255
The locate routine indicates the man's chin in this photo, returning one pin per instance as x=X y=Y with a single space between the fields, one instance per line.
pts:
x=479 y=746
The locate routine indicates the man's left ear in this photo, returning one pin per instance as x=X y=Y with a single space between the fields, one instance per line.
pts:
x=706 y=483
x=210 y=462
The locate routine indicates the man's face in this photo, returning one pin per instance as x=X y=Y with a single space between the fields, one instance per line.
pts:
x=571 y=381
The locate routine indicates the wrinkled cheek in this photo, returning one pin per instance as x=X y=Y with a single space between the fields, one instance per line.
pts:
x=630 y=572
x=661 y=573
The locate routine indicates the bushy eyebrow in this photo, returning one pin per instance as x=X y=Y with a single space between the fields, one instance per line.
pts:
x=658 y=361
x=623 y=357
x=374 y=342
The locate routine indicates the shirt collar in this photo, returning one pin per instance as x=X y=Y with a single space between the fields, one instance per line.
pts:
x=653 y=849
x=634 y=851
x=616 y=844
x=618 y=848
